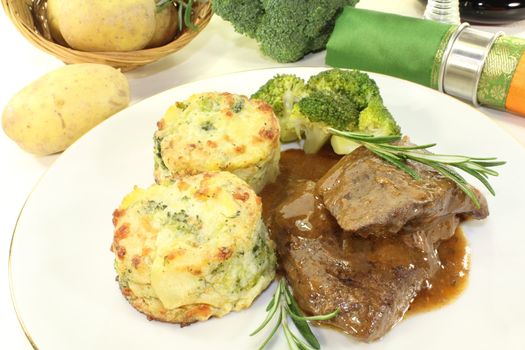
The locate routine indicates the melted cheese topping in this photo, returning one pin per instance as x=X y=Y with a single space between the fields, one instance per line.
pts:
x=217 y=131
x=198 y=240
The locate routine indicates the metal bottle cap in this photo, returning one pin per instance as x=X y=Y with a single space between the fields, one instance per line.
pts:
x=464 y=60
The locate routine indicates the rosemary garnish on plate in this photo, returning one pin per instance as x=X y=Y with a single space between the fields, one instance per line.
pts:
x=184 y=10
x=284 y=305
x=382 y=146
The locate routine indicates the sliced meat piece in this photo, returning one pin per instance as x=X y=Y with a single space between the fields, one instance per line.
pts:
x=426 y=236
x=372 y=280
x=370 y=196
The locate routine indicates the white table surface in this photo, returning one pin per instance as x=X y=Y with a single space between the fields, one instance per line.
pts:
x=216 y=51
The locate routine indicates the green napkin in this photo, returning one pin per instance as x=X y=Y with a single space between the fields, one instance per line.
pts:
x=404 y=47
x=413 y=49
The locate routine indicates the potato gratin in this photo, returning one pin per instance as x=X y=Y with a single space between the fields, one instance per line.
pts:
x=192 y=248
x=218 y=132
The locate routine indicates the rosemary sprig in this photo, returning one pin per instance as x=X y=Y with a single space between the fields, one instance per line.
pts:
x=480 y=168
x=184 y=10
x=284 y=304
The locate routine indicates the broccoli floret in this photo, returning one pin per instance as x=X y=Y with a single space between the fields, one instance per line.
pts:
x=321 y=109
x=244 y=15
x=282 y=92
x=286 y=30
x=356 y=85
x=314 y=134
x=376 y=119
x=334 y=110
x=340 y=99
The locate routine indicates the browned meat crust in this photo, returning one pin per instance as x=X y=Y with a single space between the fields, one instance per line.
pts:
x=364 y=239
x=372 y=197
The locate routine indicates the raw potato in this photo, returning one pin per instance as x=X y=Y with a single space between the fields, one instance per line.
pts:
x=106 y=25
x=52 y=22
x=52 y=112
x=166 y=27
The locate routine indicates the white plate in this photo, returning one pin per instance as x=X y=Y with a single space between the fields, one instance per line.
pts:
x=61 y=269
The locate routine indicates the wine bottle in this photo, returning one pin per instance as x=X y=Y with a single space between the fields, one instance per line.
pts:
x=492 y=11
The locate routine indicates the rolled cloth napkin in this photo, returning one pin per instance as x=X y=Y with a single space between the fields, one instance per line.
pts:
x=484 y=68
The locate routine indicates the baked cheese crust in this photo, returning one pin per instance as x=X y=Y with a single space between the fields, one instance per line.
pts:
x=192 y=248
x=218 y=132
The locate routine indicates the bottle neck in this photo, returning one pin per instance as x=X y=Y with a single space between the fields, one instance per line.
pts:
x=492 y=11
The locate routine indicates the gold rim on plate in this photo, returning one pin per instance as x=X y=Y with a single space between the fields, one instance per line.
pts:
x=11 y=288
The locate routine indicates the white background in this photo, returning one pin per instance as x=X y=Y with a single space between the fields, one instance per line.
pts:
x=217 y=50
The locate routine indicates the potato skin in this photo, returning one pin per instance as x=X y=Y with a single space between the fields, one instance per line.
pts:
x=106 y=25
x=51 y=113
x=52 y=21
x=166 y=27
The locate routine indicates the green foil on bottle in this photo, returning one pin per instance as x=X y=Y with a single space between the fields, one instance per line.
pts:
x=498 y=71
x=399 y=46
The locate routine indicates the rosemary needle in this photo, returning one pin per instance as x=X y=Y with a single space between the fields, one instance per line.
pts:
x=284 y=304
x=480 y=168
x=184 y=11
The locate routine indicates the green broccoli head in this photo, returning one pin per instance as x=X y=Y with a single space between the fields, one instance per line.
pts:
x=356 y=85
x=340 y=99
x=314 y=134
x=331 y=109
x=286 y=30
x=321 y=20
x=244 y=15
x=282 y=92
x=376 y=119
x=279 y=34
x=312 y=115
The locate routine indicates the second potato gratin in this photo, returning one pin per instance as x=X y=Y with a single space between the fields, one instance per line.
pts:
x=192 y=248
x=218 y=132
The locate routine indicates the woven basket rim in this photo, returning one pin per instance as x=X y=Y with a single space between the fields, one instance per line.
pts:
x=126 y=60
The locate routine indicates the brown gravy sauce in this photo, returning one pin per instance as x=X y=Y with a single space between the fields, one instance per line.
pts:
x=446 y=285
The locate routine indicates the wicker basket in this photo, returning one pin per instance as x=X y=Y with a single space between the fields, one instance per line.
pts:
x=23 y=14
